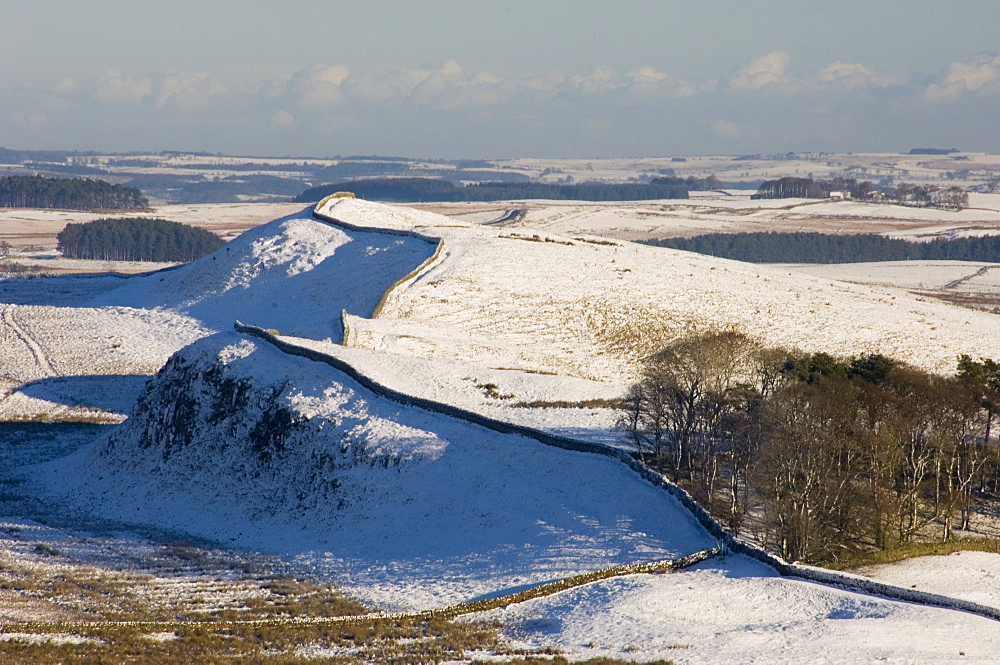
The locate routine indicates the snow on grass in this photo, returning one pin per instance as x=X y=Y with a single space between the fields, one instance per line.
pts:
x=34 y=227
x=56 y=263
x=971 y=576
x=901 y=274
x=64 y=359
x=739 y=214
x=561 y=405
x=517 y=299
x=411 y=509
x=294 y=274
x=735 y=610
x=984 y=201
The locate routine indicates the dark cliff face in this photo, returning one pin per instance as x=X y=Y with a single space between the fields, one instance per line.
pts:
x=276 y=432
x=189 y=400
x=191 y=403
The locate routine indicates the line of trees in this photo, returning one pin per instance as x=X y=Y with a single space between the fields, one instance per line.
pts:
x=927 y=196
x=433 y=189
x=818 y=457
x=770 y=247
x=790 y=187
x=136 y=239
x=807 y=188
x=68 y=193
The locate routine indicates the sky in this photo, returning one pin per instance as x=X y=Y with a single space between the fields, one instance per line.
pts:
x=501 y=78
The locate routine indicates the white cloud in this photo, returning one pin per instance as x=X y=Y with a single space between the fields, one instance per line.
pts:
x=117 y=88
x=448 y=77
x=66 y=86
x=726 y=129
x=652 y=81
x=982 y=74
x=849 y=75
x=602 y=79
x=188 y=90
x=283 y=118
x=612 y=84
x=318 y=87
x=447 y=87
x=385 y=87
x=525 y=110
x=767 y=70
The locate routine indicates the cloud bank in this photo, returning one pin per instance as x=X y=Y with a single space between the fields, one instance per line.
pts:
x=450 y=110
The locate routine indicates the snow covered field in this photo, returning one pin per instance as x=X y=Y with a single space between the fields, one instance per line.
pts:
x=591 y=308
x=710 y=212
x=737 y=611
x=239 y=442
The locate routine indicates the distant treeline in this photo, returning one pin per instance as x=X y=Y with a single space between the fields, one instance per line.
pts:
x=233 y=187
x=432 y=189
x=68 y=193
x=137 y=239
x=8 y=156
x=770 y=247
x=933 y=151
x=952 y=198
x=73 y=168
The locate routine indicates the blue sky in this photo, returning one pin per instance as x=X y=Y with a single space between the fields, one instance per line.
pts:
x=441 y=78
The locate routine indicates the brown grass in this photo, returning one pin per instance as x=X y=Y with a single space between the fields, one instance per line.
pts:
x=912 y=550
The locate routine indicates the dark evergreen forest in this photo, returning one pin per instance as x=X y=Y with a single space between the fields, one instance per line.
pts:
x=432 y=189
x=137 y=239
x=68 y=193
x=771 y=247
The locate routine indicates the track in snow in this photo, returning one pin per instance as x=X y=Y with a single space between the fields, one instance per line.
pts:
x=38 y=353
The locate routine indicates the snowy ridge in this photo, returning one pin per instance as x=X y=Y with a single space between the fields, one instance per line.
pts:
x=433 y=258
x=297 y=273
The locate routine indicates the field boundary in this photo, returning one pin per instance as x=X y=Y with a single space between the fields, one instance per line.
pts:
x=662 y=566
x=405 y=279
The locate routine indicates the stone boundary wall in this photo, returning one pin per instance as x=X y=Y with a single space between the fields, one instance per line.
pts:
x=431 y=260
x=548 y=589
x=413 y=274
x=727 y=541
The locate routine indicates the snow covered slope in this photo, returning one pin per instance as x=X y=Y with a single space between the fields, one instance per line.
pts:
x=737 y=611
x=592 y=308
x=237 y=441
x=295 y=274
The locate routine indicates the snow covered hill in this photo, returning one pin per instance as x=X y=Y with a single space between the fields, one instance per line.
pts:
x=239 y=442
x=235 y=440
x=592 y=308
x=295 y=274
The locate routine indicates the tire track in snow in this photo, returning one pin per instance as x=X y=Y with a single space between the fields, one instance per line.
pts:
x=38 y=353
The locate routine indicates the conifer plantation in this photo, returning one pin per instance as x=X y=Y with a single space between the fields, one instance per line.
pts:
x=137 y=239
x=69 y=194
x=772 y=247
